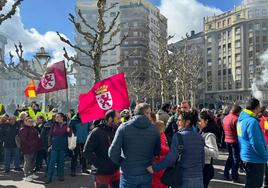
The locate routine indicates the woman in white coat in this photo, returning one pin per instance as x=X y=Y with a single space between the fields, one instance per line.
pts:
x=208 y=130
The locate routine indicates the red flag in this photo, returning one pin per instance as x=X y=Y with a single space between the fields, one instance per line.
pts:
x=54 y=79
x=108 y=94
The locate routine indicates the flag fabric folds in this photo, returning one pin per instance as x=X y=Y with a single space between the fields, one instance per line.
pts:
x=30 y=90
x=108 y=94
x=54 y=79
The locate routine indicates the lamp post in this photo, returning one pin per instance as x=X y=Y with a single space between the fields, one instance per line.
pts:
x=42 y=57
x=177 y=90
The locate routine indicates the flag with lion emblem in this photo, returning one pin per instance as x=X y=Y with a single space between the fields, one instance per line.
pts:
x=108 y=94
x=54 y=79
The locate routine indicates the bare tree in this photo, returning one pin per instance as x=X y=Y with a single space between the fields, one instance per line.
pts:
x=10 y=12
x=96 y=38
x=28 y=68
x=188 y=68
x=162 y=66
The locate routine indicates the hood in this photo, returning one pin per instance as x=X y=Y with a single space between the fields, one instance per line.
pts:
x=140 y=122
x=246 y=114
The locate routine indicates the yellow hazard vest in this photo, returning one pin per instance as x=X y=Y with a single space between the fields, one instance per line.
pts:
x=1 y=108
x=34 y=115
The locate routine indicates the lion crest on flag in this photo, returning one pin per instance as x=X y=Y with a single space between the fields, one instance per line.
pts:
x=104 y=98
x=48 y=81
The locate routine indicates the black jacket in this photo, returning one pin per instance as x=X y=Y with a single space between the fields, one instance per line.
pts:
x=96 y=149
x=44 y=133
x=171 y=128
x=9 y=134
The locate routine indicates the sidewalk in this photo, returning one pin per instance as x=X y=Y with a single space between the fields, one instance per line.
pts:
x=15 y=179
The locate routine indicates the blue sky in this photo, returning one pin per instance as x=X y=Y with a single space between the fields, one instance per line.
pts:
x=52 y=15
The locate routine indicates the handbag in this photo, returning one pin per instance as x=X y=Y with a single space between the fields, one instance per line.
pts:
x=72 y=142
x=173 y=175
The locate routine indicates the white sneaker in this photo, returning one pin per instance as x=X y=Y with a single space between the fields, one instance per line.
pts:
x=28 y=178
x=33 y=176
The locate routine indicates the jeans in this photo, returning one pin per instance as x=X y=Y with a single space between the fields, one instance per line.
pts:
x=233 y=160
x=254 y=175
x=29 y=163
x=192 y=183
x=208 y=174
x=78 y=152
x=12 y=154
x=56 y=156
x=266 y=174
x=141 y=181
x=41 y=155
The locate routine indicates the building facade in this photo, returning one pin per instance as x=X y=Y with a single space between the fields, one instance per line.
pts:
x=140 y=20
x=234 y=42
x=85 y=76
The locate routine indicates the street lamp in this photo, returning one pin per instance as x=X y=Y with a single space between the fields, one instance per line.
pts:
x=42 y=57
x=177 y=90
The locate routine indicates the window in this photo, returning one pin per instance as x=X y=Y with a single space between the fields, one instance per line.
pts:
x=257 y=26
x=238 y=16
x=238 y=84
x=209 y=51
x=229 y=21
x=135 y=24
x=237 y=30
x=224 y=23
x=237 y=57
x=264 y=12
x=237 y=44
x=250 y=14
x=219 y=24
x=257 y=12
x=135 y=33
x=209 y=63
x=238 y=71
x=209 y=39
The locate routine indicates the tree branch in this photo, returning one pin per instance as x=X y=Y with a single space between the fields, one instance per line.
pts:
x=3 y=17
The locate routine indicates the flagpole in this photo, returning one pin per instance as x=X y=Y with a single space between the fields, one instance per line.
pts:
x=67 y=98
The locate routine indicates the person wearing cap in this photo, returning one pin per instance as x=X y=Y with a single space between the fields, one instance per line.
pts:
x=96 y=151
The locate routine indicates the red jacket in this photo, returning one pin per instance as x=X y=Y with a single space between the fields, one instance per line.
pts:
x=229 y=127
x=156 y=183
x=264 y=127
x=29 y=140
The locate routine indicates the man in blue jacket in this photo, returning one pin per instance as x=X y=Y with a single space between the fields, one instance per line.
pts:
x=139 y=142
x=253 y=150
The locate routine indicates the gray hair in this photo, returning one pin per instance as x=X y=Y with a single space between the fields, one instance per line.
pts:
x=141 y=108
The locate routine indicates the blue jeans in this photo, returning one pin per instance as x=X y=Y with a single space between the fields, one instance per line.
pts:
x=192 y=183
x=12 y=154
x=232 y=161
x=56 y=156
x=142 y=181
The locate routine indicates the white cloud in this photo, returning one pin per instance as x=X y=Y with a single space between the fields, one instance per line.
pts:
x=31 y=39
x=185 y=15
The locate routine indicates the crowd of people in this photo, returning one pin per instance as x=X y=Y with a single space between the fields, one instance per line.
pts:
x=126 y=149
